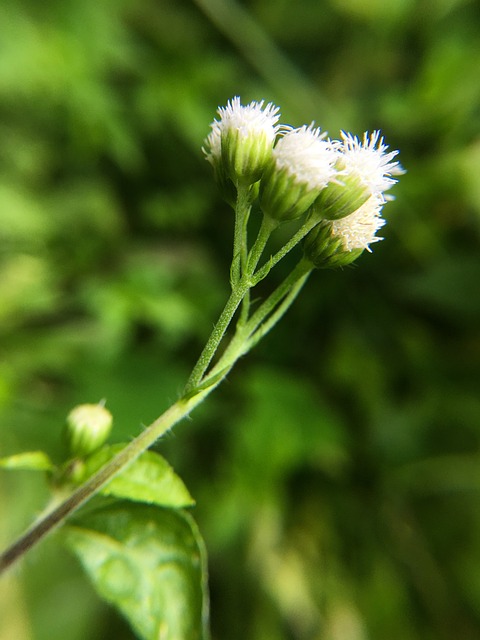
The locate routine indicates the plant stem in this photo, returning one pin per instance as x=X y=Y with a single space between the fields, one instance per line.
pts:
x=266 y=228
x=242 y=342
x=308 y=225
x=215 y=337
x=127 y=455
x=249 y=334
x=240 y=292
x=199 y=385
x=298 y=274
x=279 y=312
x=242 y=213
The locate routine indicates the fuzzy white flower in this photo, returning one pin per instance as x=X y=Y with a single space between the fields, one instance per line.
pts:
x=302 y=164
x=364 y=169
x=251 y=119
x=369 y=161
x=242 y=139
x=336 y=243
x=306 y=156
x=357 y=230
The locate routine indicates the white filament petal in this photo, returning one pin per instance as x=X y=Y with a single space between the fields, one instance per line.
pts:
x=369 y=161
x=357 y=231
x=306 y=156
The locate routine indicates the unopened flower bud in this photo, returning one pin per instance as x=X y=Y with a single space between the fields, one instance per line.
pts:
x=336 y=243
x=88 y=427
x=302 y=164
x=240 y=143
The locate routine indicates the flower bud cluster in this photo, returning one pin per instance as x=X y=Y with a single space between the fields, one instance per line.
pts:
x=300 y=172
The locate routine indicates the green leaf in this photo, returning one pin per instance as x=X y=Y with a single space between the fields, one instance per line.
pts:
x=148 y=479
x=150 y=563
x=30 y=460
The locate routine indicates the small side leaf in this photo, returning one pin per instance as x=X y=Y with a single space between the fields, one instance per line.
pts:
x=148 y=479
x=150 y=563
x=29 y=460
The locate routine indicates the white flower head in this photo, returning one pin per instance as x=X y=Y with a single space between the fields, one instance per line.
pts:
x=252 y=119
x=364 y=169
x=369 y=161
x=338 y=242
x=357 y=230
x=306 y=156
x=302 y=164
x=242 y=139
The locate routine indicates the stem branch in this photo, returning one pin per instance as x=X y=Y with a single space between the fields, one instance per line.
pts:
x=215 y=337
x=308 y=225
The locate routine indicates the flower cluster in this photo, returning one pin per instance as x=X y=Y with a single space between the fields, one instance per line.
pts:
x=301 y=172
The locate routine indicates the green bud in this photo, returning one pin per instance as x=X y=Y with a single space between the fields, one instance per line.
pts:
x=302 y=165
x=282 y=197
x=340 y=199
x=365 y=169
x=326 y=250
x=88 y=427
x=245 y=156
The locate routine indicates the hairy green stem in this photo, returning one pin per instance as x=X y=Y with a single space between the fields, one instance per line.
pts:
x=250 y=333
x=242 y=213
x=126 y=456
x=54 y=518
x=215 y=337
x=266 y=228
x=279 y=312
x=199 y=385
x=240 y=292
x=306 y=227
x=303 y=268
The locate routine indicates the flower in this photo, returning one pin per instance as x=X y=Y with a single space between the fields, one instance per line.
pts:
x=339 y=242
x=369 y=161
x=302 y=164
x=241 y=141
x=365 y=169
x=357 y=231
x=306 y=156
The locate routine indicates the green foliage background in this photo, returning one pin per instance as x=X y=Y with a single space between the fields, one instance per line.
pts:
x=337 y=473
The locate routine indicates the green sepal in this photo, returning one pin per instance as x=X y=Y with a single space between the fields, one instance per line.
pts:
x=341 y=199
x=245 y=156
x=326 y=251
x=282 y=198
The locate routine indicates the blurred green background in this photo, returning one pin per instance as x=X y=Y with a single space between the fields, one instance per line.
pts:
x=337 y=472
